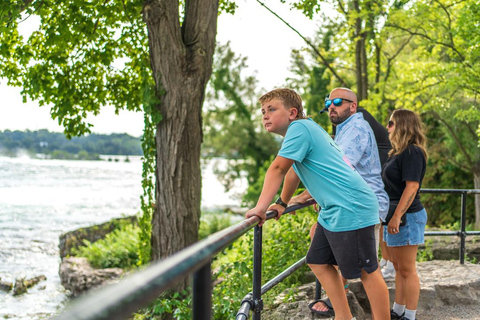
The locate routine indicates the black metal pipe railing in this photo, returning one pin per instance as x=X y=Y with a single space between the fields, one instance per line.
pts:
x=257 y=273
x=273 y=282
x=202 y=292
x=119 y=301
x=134 y=292
x=462 y=233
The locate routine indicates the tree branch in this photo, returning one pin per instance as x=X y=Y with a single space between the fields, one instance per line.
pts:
x=424 y=35
x=324 y=61
x=390 y=59
x=455 y=137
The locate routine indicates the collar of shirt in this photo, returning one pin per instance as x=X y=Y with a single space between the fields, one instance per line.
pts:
x=354 y=116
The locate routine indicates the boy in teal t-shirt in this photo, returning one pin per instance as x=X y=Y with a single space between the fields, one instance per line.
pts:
x=345 y=230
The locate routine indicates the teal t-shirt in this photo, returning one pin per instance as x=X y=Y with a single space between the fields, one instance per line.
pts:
x=347 y=202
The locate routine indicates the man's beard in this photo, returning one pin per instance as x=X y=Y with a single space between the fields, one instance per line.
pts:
x=340 y=116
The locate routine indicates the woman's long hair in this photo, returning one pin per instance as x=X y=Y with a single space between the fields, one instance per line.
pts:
x=408 y=130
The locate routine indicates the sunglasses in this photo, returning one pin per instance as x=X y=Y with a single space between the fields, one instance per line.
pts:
x=337 y=102
x=390 y=124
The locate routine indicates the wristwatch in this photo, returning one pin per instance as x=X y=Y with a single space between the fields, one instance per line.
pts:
x=280 y=202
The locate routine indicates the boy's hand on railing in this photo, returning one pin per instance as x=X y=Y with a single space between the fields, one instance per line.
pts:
x=259 y=213
x=277 y=207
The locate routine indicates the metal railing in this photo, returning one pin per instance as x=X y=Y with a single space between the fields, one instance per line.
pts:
x=119 y=301
x=462 y=233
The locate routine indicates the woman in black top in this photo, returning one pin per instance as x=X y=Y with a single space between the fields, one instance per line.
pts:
x=402 y=175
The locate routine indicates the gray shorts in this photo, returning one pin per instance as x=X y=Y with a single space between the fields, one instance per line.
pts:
x=351 y=251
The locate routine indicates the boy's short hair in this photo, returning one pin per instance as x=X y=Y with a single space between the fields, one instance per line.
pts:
x=289 y=97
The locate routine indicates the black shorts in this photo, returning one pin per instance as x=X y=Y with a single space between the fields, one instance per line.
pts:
x=352 y=251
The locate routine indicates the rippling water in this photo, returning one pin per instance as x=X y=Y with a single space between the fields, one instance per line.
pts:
x=41 y=199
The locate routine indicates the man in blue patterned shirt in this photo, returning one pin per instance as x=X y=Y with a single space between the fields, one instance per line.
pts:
x=356 y=139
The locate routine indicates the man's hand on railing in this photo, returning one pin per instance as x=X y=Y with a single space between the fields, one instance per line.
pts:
x=257 y=212
x=300 y=198
x=277 y=207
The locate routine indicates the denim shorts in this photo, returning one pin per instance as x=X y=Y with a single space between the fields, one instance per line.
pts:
x=412 y=233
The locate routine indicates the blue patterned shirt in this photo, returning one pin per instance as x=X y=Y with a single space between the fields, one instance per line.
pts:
x=355 y=137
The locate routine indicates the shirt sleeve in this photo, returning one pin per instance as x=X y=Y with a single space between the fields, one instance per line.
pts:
x=354 y=142
x=296 y=145
x=413 y=162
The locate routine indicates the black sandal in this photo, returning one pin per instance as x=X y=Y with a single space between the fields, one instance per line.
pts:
x=330 y=312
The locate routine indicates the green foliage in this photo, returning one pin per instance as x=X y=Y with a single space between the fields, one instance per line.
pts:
x=59 y=147
x=117 y=250
x=232 y=123
x=147 y=199
x=426 y=253
x=213 y=222
x=312 y=81
x=456 y=226
x=174 y=303
x=284 y=243
x=83 y=55
x=445 y=208
x=254 y=189
x=420 y=55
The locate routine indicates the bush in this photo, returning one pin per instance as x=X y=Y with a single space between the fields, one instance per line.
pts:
x=177 y=304
x=284 y=243
x=119 y=249
x=211 y=223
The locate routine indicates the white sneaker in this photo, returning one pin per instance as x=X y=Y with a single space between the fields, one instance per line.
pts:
x=382 y=263
x=388 y=273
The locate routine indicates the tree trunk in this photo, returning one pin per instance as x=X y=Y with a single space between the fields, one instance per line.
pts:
x=181 y=58
x=476 y=184
x=360 y=56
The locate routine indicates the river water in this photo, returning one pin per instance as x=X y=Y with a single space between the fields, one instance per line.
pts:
x=41 y=199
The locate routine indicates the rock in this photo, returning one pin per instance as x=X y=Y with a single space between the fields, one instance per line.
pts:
x=75 y=239
x=5 y=286
x=78 y=276
x=21 y=285
x=299 y=309
x=443 y=283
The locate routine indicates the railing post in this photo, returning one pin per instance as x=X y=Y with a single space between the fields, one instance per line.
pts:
x=462 y=231
x=202 y=293
x=257 y=273
x=318 y=289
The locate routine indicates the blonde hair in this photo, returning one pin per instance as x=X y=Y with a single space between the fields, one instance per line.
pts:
x=289 y=97
x=408 y=130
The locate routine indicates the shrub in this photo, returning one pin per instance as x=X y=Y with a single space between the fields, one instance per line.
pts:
x=119 y=249
x=211 y=223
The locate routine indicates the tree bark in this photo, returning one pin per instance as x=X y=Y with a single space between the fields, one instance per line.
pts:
x=360 y=56
x=476 y=184
x=181 y=57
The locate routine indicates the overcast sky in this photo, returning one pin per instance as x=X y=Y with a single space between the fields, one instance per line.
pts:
x=253 y=32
